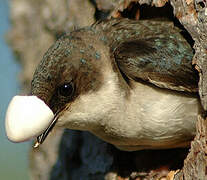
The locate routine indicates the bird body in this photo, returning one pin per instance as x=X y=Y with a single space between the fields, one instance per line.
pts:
x=150 y=118
x=131 y=83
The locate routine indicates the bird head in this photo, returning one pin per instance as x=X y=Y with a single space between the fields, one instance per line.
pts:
x=67 y=89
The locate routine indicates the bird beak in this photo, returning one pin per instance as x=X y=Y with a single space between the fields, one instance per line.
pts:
x=41 y=138
x=28 y=117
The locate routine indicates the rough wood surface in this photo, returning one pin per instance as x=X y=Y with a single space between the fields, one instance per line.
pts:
x=196 y=162
x=80 y=155
x=193 y=16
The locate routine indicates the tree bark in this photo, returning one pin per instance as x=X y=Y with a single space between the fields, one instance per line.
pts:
x=77 y=155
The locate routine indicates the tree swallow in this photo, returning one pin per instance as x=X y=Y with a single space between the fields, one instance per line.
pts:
x=131 y=83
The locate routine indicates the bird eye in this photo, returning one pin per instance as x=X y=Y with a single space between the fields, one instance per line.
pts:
x=66 y=89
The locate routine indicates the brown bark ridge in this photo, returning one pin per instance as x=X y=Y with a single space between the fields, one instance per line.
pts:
x=196 y=162
x=80 y=155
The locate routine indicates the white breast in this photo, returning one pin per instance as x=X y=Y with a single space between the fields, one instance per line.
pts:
x=158 y=118
x=151 y=118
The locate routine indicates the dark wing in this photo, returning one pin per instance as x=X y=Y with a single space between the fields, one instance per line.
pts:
x=162 y=61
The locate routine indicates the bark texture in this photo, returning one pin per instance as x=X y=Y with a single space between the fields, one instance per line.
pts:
x=36 y=24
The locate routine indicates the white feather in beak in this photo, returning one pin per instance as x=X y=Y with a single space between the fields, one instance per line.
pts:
x=27 y=117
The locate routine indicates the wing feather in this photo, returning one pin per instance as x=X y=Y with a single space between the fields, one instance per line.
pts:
x=162 y=61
